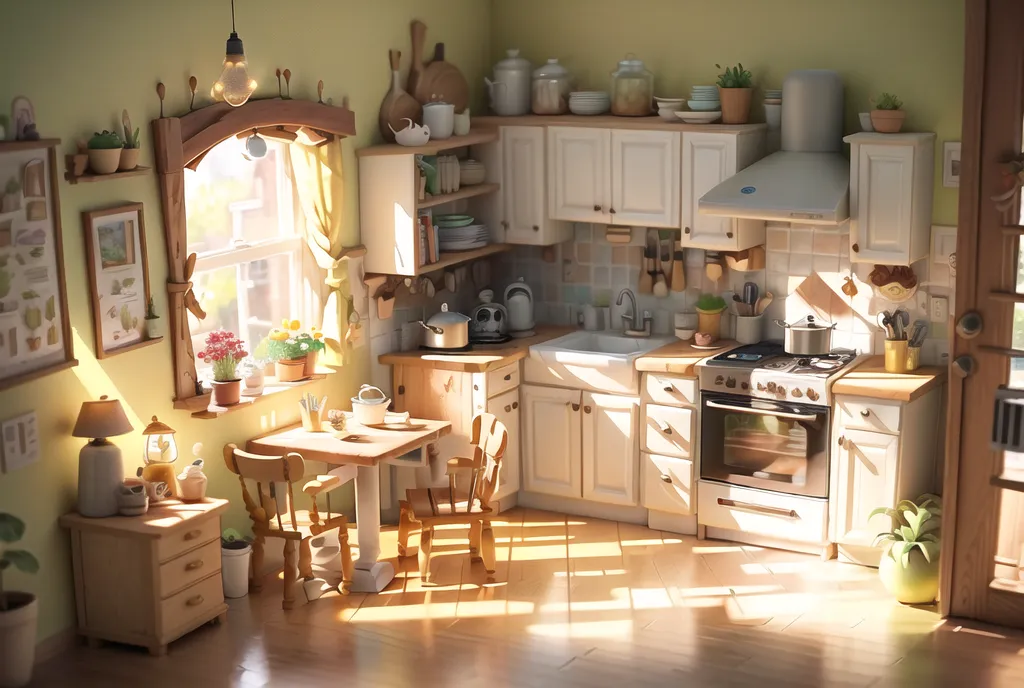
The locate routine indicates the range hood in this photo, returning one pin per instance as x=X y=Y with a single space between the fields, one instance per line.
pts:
x=808 y=181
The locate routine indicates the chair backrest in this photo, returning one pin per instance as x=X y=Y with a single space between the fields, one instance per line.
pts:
x=265 y=471
x=490 y=439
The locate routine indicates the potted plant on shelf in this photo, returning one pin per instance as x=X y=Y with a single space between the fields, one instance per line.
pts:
x=105 y=152
x=11 y=200
x=225 y=351
x=153 y=328
x=235 y=551
x=18 y=610
x=290 y=349
x=709 y=316
x=888 y=115
x=735 y=89
x=909 y=567
x=130 y=153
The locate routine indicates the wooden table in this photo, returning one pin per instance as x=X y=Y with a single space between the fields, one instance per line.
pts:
x=370 y=447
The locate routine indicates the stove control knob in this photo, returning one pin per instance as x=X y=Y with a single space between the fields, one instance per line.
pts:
x=797 y=393
x=780 y=390
x=744 y=385
x=811 y=394
x=731 y=383
x=760 y=387
x=719 y=379
x=771 y=387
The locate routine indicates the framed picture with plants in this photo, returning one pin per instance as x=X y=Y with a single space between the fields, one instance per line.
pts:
x=115 y=246
x=35 y=331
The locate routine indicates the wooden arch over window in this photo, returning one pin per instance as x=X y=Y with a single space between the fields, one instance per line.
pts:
x=181 y=142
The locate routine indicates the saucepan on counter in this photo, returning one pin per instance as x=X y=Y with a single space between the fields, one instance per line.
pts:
x=808 y=336
x=446 y=330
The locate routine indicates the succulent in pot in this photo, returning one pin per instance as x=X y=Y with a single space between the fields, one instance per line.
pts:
x=152 y=321
x=735 y=90
x=18 y=610
x=105 y=152
x=130 y=153
x=709 y=318
x=888 y=115
x=224 y=351
x=909 y=568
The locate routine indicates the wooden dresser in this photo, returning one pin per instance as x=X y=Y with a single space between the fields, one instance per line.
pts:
x=148 y=580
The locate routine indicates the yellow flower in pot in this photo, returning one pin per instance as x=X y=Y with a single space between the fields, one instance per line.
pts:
x=909 y=568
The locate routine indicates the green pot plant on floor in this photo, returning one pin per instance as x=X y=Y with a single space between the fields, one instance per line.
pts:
x=909 y=567
x=18 y=610
x=888 y=115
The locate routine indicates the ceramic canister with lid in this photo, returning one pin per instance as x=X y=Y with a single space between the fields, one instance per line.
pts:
x=551 y=87
x=439 y=118
x=510 y=89
x=632 y=89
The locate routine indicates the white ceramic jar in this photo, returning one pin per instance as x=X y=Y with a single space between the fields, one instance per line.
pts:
x=439 y=118
x=510 y=89
x=551 y=87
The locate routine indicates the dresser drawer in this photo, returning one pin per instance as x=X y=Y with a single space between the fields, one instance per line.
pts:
x=869 y=414
x=668 y=430
x=191 y=604
x=669 y=390
x=668 y=484
x=184 y=570
x=502 y=379
x=776 y=515
x=190 y=535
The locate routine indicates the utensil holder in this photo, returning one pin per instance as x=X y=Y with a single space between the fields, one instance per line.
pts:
x=913 y=358
x=312 y=421
x=748 y=329
x=896 y=355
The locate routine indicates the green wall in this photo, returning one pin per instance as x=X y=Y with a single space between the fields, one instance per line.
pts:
x=82 y=62
x=910 y=47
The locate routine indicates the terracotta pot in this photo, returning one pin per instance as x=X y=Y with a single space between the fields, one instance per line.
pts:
x=735 y=104
x=311 y=363
x=888 y=121
x=290 y=370
x=104 y=160
x=226 y=392
x=915 y=583
x=710 y=323
x=129 y=159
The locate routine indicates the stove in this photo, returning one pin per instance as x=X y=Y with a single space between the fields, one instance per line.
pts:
x=766 y=371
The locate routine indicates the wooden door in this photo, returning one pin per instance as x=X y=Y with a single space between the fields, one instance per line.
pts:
x=505 y=407
x=708 y=160
x=868 y=468
x=435 y=395
x=611 y=451
x=551 y=449
x=884 y=190
x=983 y=485
x=645 y=178
x=523 y=184
x=579 y=183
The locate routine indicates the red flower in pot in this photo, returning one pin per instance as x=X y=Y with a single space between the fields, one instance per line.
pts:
x=224 y=351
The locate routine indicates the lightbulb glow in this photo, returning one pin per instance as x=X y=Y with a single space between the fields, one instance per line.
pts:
x=234 y=85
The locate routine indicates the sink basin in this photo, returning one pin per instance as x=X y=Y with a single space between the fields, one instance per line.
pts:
x=594 y=361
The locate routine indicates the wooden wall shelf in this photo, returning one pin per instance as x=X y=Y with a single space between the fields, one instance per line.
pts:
x=9 y=146
x=473 y=138
x=463 y=193
x=90 y=177
x=270 y=388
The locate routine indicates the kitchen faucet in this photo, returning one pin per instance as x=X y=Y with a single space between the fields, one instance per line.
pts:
x=630 y=321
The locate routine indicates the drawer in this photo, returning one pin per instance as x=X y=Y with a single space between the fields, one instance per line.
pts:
x=872 y=415
x=669 y=390
x=502 y=379
x=668 y=484
x=190 y=605
x=188 y=535
x=668 y=430
x=779 y=516
x=186 y=569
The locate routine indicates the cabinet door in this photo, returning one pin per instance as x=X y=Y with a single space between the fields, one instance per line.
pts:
x=867 y=479
x=611 y=453
x=883 y=193
x=505 y=407
x=435 y=395
x=645 y=178
x=551 y=451
x=523 y=184
x=708 y=160
x=578 y=180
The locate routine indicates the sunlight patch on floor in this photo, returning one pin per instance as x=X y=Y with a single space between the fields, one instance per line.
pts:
x=615 y=630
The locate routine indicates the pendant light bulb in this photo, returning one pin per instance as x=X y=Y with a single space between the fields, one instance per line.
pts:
x=234 y=85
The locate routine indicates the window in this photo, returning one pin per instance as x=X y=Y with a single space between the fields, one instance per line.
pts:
x=249 y=252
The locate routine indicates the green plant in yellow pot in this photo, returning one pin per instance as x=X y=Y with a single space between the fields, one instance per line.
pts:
x=909 y=567
x=709 y=317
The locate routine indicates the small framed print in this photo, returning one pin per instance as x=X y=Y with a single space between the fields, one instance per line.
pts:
x=951 y=164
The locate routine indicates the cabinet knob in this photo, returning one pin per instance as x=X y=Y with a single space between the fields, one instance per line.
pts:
x=536 y=228
x=597 y=208
x=865 y=412
x=666 y=478
x=515 y=404
x=728 y=234
x=508 y=377
x=508 y=408
x=586 y=409
x=611 y=211
x=504 y=223
x=401 y=389
x=842 y=440
x=476 y=388
x=195 y=601
x=856 y=248
x=193 y=534
x=575 y=407
x=193 y=565
x=664 y=427
x=686 y=230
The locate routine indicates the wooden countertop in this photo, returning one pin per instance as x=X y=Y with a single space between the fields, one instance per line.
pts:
x=154 y=523
x=652 y=123
x=483 y=358
x=679 y=358
x=870 y=379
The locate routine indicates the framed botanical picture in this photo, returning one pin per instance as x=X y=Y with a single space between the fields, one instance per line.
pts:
x=35 y=331
x=115 y=245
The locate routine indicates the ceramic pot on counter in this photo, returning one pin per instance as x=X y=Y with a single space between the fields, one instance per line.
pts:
x=808 y=336
x=509 y=91
x=446 y=330
x=439 y=119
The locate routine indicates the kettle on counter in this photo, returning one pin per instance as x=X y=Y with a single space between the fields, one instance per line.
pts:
x=519 y=304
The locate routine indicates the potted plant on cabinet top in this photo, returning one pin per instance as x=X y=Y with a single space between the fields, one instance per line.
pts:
x=225 y=351
x=709 y=318
x=153 y=328
x=735 y=89
x=105 y=152
x=18 y=610
x=888 y=115
x=130 y=153
x=909 y=567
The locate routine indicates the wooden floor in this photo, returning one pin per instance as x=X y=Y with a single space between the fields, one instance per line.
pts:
x=579 y=602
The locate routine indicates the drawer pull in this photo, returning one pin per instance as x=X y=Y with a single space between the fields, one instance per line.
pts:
x=586 y=409
x=686 y=230
x=757 y=508
x=666 y=478
x=536 y=228
x=664 y=427
x=597 y=208
x=193 y=565
x=515 y=404
x=669 y=389
x=575 y=407
x=193 y=534
x=401 y=389
x=194 y=601
x=508 y=377
x=508 y=408
x=842 y=440
x=865 y=413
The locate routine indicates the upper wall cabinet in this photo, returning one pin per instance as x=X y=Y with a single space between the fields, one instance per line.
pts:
x=891 y=181
x=579 y=180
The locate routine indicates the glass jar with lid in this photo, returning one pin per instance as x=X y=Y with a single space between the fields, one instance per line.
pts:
x=632 y=88
x=551 y=87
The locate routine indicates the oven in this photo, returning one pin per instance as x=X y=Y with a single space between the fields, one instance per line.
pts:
x=771 y=445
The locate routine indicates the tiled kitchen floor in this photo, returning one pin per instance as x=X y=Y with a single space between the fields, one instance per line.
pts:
x=579 y=602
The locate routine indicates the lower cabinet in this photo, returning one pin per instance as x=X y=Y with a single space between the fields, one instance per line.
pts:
x=667 y=484
x=610 y=451
x=505 y=407
x=867 y=464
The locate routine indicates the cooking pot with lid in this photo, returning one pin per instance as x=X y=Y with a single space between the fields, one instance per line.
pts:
x=446 y=330
x=808 y=336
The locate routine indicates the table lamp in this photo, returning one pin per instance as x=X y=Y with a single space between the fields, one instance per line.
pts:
x=100 y=470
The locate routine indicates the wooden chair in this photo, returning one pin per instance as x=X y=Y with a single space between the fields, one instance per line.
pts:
x=296 y=526
x=467 y=499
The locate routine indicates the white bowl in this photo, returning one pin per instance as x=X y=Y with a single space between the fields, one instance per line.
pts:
x=685 y=335
x=667 y=113
x=699 y=117
x=662 y=102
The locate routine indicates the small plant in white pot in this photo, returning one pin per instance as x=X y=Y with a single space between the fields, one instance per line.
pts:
x=235 y=552
x=909 y=567
x=888 y=115
x=154 y=328
x=18 y=610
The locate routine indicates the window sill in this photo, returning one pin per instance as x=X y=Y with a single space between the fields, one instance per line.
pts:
x=271 y=388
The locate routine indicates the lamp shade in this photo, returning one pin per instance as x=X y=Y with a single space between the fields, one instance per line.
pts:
x=103 y=418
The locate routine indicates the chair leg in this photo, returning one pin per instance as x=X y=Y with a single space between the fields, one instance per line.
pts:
x=475 y=529
x=407 y=524
x=426 y=537
x=291 y=574
x=256 y=582
x=487 y=546
x=347 y=567
x=305 y=560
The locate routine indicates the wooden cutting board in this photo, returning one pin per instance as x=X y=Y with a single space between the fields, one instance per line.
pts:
x=437 y=80
x=397 y=105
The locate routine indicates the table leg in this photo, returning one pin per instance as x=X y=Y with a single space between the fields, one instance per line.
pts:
x=370 y=575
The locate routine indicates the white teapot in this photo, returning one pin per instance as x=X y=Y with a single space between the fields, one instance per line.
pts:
x=412 y=135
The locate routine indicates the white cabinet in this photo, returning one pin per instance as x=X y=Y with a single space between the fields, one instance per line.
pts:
x=668 y=485
x=505 y=407
x=890 y=197
x=578 y=174
x=610 y=449
x=708 y=159
x=867 y=469
x=552 y=441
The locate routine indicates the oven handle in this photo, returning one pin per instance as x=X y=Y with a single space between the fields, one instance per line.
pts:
x=757 y=508
x=759 y=412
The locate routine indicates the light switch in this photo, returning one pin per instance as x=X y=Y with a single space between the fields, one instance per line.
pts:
x=939 y=310
x=20 y=442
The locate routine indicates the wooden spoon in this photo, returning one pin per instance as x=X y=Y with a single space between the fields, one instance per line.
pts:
x=193 y=83
x=160 y=92
x=763 y=303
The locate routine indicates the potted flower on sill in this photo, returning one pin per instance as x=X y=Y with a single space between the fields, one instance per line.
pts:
x=293 y=351
x=314 y=340
x=225 y=351
x=105 y=152
x=709 y=317
x=18 y=610
x=888 y=115
x=735 y=89
x=153 y=327
x=909 y=567
x=130 y=153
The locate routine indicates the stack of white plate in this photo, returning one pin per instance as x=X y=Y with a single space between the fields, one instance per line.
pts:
x=463 y=238
x=589 y=102
x=704 y=99
x=773 y=96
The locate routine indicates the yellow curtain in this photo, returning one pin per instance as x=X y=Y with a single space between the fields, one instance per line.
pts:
x=319 y=183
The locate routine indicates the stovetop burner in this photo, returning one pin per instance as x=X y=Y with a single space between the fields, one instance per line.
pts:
x=771 y=356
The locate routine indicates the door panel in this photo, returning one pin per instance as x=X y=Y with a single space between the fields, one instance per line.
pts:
x=867 y=480
x=579 y=182
x=708 y=160
x=885 y=181
x=610 y=448
x=645 y=178
x=523 y=183
x=551 y=452
x=505 y=407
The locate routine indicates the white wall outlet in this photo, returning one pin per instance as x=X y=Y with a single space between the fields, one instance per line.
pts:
x=939 y=309
x=20 y=441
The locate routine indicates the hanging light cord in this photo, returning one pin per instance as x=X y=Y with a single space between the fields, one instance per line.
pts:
x=232 y=16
